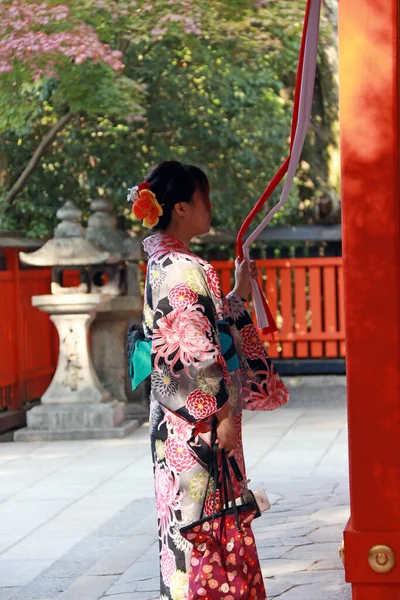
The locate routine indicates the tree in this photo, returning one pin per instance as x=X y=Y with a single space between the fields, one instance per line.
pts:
x=208 y=82
x=46 y=53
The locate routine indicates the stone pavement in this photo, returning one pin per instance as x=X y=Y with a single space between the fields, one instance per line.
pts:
x=78 y=518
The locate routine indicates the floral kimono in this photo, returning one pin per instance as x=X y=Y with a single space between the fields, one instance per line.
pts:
x=205 y=352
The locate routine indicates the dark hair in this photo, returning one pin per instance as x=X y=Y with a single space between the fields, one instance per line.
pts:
x=172 y=181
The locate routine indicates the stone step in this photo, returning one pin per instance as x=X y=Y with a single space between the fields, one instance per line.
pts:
x=45 y=435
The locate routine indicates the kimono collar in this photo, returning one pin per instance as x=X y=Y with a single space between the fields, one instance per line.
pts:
x=162 y=243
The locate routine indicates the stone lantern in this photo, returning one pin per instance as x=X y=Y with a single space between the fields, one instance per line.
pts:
x=109 y=330
x=76 y=405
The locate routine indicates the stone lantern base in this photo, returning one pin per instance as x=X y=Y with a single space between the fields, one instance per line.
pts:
x=78 y=421
x=76 y=405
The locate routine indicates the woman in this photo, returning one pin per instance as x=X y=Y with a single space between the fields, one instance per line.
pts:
x=207 y=360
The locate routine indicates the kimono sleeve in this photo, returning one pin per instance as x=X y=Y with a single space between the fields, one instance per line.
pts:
x=263 y=388
x=188 y=370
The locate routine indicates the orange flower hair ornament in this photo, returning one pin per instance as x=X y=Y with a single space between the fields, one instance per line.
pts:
x=145 y=207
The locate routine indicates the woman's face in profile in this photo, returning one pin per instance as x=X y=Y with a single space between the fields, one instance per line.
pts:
x=200 y=213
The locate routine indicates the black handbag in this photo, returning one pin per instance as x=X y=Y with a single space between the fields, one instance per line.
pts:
x=233 y=506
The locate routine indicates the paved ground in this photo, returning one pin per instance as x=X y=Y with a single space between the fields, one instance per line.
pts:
x=78 y=518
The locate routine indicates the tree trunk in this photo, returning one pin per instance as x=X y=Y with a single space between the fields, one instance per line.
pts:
x=37 y=155
x=4 y=175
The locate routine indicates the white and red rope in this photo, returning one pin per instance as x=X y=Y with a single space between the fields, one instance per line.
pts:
x=303 y=99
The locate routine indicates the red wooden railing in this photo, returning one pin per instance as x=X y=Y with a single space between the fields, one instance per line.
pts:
x=27 y=337
x=305 y=295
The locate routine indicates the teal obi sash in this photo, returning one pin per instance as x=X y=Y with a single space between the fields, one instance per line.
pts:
x=139 y=354
x=140 y=362
x=228 y=346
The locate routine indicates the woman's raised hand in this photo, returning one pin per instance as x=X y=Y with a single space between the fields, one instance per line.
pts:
x=245 y=270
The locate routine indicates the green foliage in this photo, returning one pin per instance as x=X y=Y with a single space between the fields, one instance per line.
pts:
x=220 y=98
x=20 y=102
x=222 y=111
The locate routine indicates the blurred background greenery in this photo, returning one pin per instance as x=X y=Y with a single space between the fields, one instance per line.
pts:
x=94 y=92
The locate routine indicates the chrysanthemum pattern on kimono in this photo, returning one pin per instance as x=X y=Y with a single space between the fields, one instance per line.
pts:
x=190 y=382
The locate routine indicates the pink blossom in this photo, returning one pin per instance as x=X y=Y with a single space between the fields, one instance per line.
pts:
x=213 y=281
x=178 y=426
x=184 y=334
x=168 y=564
x=268 y=394
x=26 y=36
x=5 y=67
x=187 y=19
x=252 y=346
x=158 y=31
x=201 y=405
x=168 y=496
x=159 y=245
x=178 y=455
x=277 y=391
x=181 y=295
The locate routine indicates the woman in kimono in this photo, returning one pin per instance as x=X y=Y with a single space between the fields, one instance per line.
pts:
x=207 y=361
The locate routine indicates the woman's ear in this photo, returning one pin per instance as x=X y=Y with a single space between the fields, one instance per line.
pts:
x=182 y=209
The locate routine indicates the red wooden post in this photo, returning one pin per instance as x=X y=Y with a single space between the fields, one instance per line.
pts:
x=340 y=277
x=11 y=255
x=300 y=301
x=286 y=308
x=314 y=274
x=331 y=309
x=270 y=288
x=8 y=357
x=369 y=100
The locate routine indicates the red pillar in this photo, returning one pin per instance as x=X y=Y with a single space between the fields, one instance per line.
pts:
x=11 y=255
x=369 y=113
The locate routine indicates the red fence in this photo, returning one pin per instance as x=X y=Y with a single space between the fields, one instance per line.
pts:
x=305 y=295
x=27 y=337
